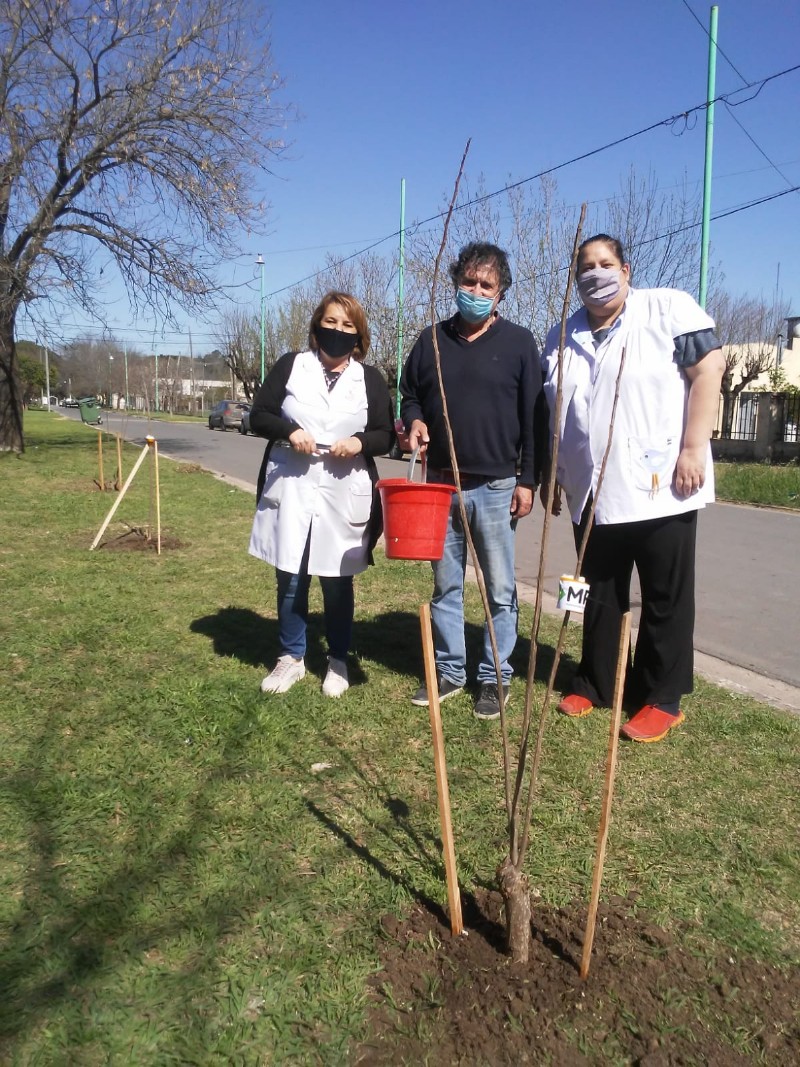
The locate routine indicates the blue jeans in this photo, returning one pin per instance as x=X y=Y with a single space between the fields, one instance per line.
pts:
x=488 y=507
x=338 y=602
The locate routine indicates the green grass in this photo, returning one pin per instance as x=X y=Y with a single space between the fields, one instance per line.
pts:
x=759 y=483
x=181 y=883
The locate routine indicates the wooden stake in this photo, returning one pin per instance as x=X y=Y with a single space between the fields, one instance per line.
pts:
x=102 y=482
x=608 y=791
x=124 y=490
x=118 y=479
x=442 y=789
x=158 y=500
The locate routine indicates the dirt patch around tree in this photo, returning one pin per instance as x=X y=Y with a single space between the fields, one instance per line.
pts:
x=137 y=539
x=649 y=1000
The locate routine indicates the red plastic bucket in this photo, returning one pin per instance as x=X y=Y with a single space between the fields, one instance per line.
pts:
x=414 y=516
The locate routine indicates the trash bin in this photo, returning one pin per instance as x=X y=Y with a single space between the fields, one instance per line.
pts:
x=90 y=410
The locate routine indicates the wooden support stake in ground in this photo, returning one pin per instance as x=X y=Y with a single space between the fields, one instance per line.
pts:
x=158 y=497
x=442 y=789
x=102 y=482
x=118 y=478
x=150 y=444
x=608 y=790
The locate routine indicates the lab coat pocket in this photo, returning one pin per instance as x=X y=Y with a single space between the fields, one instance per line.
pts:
x=652 y=462
x=360 y=504
x=273 y=486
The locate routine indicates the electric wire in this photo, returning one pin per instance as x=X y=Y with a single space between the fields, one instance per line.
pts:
x=681 y=115
x=736 y=70
x=725 y=98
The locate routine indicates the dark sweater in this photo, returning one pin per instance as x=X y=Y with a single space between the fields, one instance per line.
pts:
x=492 y=385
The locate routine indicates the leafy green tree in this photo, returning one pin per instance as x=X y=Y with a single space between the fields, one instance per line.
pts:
x=33 y=379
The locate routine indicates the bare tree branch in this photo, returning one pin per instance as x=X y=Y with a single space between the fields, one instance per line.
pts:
x=137 y=124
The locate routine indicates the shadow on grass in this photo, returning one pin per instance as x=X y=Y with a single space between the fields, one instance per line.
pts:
x=62 y=940
x=373 y=861
x=391 y=639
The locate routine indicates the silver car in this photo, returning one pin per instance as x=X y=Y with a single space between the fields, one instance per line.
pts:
x=227 y=415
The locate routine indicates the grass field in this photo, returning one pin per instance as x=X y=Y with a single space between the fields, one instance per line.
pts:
x=194 y=873
x=759 y=483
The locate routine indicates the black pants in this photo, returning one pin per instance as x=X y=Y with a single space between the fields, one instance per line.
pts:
x=663 y=551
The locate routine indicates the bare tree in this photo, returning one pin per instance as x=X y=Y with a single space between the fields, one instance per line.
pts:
x=92 y=366
x=134 y=124
x=535 y=226
x=659 y=231
x=748 y=329
x=239 y=338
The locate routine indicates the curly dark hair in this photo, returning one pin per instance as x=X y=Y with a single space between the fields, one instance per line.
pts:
x=482 y=254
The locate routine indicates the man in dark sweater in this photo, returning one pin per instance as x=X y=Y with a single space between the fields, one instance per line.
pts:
x=492 y=381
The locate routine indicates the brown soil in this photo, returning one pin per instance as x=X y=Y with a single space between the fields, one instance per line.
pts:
x=648 y=1000
x=138 y=539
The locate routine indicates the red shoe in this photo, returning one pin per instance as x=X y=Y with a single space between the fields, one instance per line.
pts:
x=574 y=706
x=650 y=724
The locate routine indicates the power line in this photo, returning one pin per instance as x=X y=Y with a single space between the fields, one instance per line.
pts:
x=736 y=70
x=727 y=59
x=682 y=115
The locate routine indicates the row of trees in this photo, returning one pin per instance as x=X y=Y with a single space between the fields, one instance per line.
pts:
x=659 y=231
x=131 y=136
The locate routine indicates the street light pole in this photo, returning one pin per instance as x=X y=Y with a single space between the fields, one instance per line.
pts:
x=260 y=263
x=125 y=354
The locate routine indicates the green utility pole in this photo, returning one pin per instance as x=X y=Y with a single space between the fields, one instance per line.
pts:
x=400 y=292
x=260 y=262
x=712 y=76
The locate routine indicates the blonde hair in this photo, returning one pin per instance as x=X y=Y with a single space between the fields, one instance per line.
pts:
x=354 y=312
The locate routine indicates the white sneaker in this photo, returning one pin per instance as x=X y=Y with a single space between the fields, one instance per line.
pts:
x=336 y=680
x=288 y=670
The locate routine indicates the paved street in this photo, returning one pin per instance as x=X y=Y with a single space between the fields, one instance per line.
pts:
x=748 y=577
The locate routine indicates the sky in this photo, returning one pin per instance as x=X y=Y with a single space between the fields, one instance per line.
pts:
x=391 y=91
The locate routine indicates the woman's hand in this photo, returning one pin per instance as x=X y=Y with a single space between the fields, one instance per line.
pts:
x=690 y=471
x=346 y=448
x=302 y=441
x=705 y=379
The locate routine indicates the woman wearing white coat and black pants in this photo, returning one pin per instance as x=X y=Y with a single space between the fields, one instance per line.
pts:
x=326 y=415
x=659 y=473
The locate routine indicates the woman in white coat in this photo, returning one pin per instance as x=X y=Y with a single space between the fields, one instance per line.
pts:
x=326 y=415
x=659 y=473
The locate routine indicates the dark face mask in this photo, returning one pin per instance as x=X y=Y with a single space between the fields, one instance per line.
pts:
x=335 y=343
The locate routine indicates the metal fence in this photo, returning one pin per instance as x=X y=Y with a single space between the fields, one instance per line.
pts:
x=736 y=417
x=771 y=418
x=791 y=417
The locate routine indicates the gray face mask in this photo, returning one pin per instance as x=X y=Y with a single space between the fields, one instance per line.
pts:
x=599 y=286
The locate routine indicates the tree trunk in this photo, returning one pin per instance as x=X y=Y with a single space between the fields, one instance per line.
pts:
x=11 y=439
x=727 y=414
x=516 y=896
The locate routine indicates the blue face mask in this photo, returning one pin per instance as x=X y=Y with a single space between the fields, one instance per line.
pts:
x=473 y=308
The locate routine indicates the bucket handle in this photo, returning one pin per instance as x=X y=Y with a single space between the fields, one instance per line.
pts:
x=423 y=465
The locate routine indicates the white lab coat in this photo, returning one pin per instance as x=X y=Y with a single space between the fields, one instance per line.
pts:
x=651 y=413
x=329 y=496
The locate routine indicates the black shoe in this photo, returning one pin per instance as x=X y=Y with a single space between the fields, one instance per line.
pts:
x=446 y=689
x=487 y=704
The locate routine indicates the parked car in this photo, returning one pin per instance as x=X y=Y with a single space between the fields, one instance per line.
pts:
x=244 y=425
x=69 y=402
x=227 y=415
